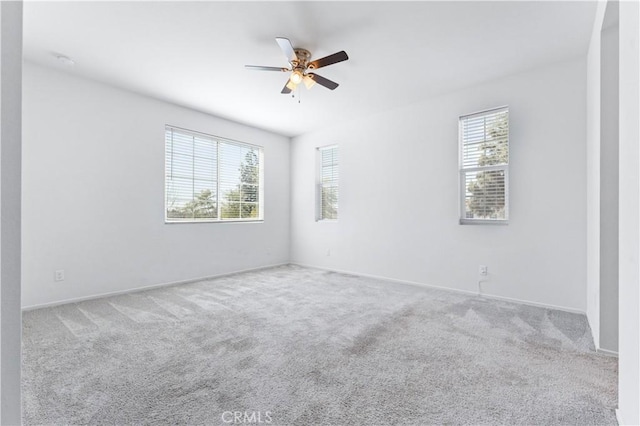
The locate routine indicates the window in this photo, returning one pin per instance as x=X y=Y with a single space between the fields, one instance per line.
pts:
x=328 y=183
x=484 y=167
x=210 y=179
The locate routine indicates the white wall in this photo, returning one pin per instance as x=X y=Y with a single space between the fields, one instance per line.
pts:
x=10 y=138
x=629 y=273
x=609 y=123
x=399 y=193
x=93 y=194
x=593 y=174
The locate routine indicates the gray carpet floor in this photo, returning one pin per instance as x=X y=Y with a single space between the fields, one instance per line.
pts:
x=300 y=346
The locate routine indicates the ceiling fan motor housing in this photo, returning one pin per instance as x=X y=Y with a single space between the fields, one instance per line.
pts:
x=303 y=58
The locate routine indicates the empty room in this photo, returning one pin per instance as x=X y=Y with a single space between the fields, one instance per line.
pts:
x=303 y=213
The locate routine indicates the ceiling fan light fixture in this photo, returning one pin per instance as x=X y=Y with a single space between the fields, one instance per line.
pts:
x=290 y=85
x=296 y=77
x=308 y=82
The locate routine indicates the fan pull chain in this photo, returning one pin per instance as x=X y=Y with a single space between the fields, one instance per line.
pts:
x=296 y=90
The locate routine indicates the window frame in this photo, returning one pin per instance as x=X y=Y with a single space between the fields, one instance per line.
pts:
x=319 y=184
x=462 y=171
x=218 y=140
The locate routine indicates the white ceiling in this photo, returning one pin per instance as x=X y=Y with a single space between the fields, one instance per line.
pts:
x=193 y=53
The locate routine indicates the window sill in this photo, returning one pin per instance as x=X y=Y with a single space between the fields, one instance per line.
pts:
x=483 y=222
x=195 y=222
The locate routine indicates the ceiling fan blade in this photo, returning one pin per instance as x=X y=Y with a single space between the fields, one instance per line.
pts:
x=286 y=89
x=261 y=68
x=331 y=85
x=329 y=60
x=287 y=48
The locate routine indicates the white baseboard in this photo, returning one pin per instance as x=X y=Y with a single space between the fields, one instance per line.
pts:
x=400 y=281
x=148 y=287
x=536 y=304
x=453 y=289
x=607 y=352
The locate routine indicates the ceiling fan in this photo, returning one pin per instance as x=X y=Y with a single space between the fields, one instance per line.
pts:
x=301 y=65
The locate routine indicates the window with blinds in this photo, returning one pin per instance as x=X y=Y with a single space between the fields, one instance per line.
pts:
x=209 y=179
x=328 y=183
x=484 y=167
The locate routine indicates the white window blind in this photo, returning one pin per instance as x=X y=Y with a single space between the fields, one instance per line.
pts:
x=484 y=166
x=211 y=179
x=328 y=183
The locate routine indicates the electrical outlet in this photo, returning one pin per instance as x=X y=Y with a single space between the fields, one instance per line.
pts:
x=483 y=270
x=328 y=252
x=59 y=275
